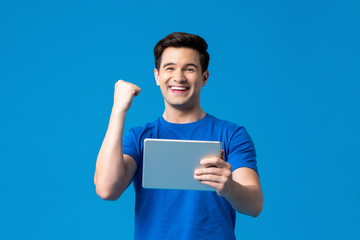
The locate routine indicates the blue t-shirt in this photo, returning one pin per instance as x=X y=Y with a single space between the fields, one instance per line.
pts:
x=187 y=214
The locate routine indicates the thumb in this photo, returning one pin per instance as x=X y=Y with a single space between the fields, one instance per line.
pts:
x=136 y=91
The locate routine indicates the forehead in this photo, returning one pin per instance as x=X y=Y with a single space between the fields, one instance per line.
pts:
x=180 y=56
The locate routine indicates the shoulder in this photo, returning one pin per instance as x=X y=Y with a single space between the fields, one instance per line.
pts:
x=237 y=144
x=227 y=127
x=133 y=140
x=147 y=130
x=233 y=136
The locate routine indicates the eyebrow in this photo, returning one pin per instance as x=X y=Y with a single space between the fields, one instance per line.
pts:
x=167 y=64
x=192 y=64
x=186 y=65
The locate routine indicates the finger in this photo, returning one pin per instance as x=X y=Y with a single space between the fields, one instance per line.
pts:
x=212 y=184
x=211 y=170
x=211 y=178
x=119 y=82
x=136 y=91
x=222 y=154
x=219 y=187
x=217 y=162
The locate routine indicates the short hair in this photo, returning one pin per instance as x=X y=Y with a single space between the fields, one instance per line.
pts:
x=181 y=39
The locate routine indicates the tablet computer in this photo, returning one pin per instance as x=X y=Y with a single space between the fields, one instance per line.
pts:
x=170 y=164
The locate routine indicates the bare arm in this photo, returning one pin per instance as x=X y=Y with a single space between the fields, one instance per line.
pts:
x=114 y=170
x=245 y=193
x=241 y=187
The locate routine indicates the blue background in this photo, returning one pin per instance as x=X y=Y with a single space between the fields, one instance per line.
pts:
x=286 y=70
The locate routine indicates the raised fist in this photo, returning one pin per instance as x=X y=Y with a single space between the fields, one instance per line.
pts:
x=123 y=95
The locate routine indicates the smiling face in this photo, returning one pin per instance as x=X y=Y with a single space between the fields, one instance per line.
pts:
x=180 y=78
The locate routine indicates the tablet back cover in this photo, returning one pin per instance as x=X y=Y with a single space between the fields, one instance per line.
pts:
x=170 y=164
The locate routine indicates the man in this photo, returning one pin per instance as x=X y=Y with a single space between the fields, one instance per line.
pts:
x=181 y=71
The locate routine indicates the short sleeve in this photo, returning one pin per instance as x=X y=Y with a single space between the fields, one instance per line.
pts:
x=130 y=147
x=241 y=150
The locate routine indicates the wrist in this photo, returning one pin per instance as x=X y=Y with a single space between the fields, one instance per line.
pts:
x=118 y=111
x=230 y=189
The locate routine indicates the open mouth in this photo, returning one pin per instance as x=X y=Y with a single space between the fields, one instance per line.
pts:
x=179 y=89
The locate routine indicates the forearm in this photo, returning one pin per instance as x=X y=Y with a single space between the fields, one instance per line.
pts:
x=241 y=187
x=110 y=169
x=247 y=200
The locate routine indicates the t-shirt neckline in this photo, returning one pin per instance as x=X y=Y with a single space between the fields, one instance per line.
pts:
x=181 y=125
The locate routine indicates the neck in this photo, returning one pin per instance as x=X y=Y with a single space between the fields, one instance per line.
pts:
x=174 y=115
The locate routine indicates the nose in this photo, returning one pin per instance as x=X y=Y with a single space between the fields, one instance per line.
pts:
x=179 y=76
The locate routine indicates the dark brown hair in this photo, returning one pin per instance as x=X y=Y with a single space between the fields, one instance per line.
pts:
x=181 y=39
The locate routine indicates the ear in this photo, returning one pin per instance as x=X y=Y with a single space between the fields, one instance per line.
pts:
x=205 y=77
x=156 y=75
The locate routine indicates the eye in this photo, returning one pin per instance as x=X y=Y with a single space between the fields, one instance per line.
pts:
x=169 y=68
x=190 y=69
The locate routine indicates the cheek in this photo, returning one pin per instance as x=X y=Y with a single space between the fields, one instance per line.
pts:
x=162 y=86
x=163 y=80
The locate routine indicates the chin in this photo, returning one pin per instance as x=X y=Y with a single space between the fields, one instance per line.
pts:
x=177 y=105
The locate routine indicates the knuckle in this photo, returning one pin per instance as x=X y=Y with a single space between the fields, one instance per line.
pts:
x=229 y=166
x=119 y=83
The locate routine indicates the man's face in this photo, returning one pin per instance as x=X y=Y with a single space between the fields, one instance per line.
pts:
x=180 y=78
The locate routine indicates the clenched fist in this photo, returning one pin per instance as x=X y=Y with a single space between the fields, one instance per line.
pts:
x=123 y=96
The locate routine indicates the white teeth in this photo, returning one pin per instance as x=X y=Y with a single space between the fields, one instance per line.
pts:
x=178 y=88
